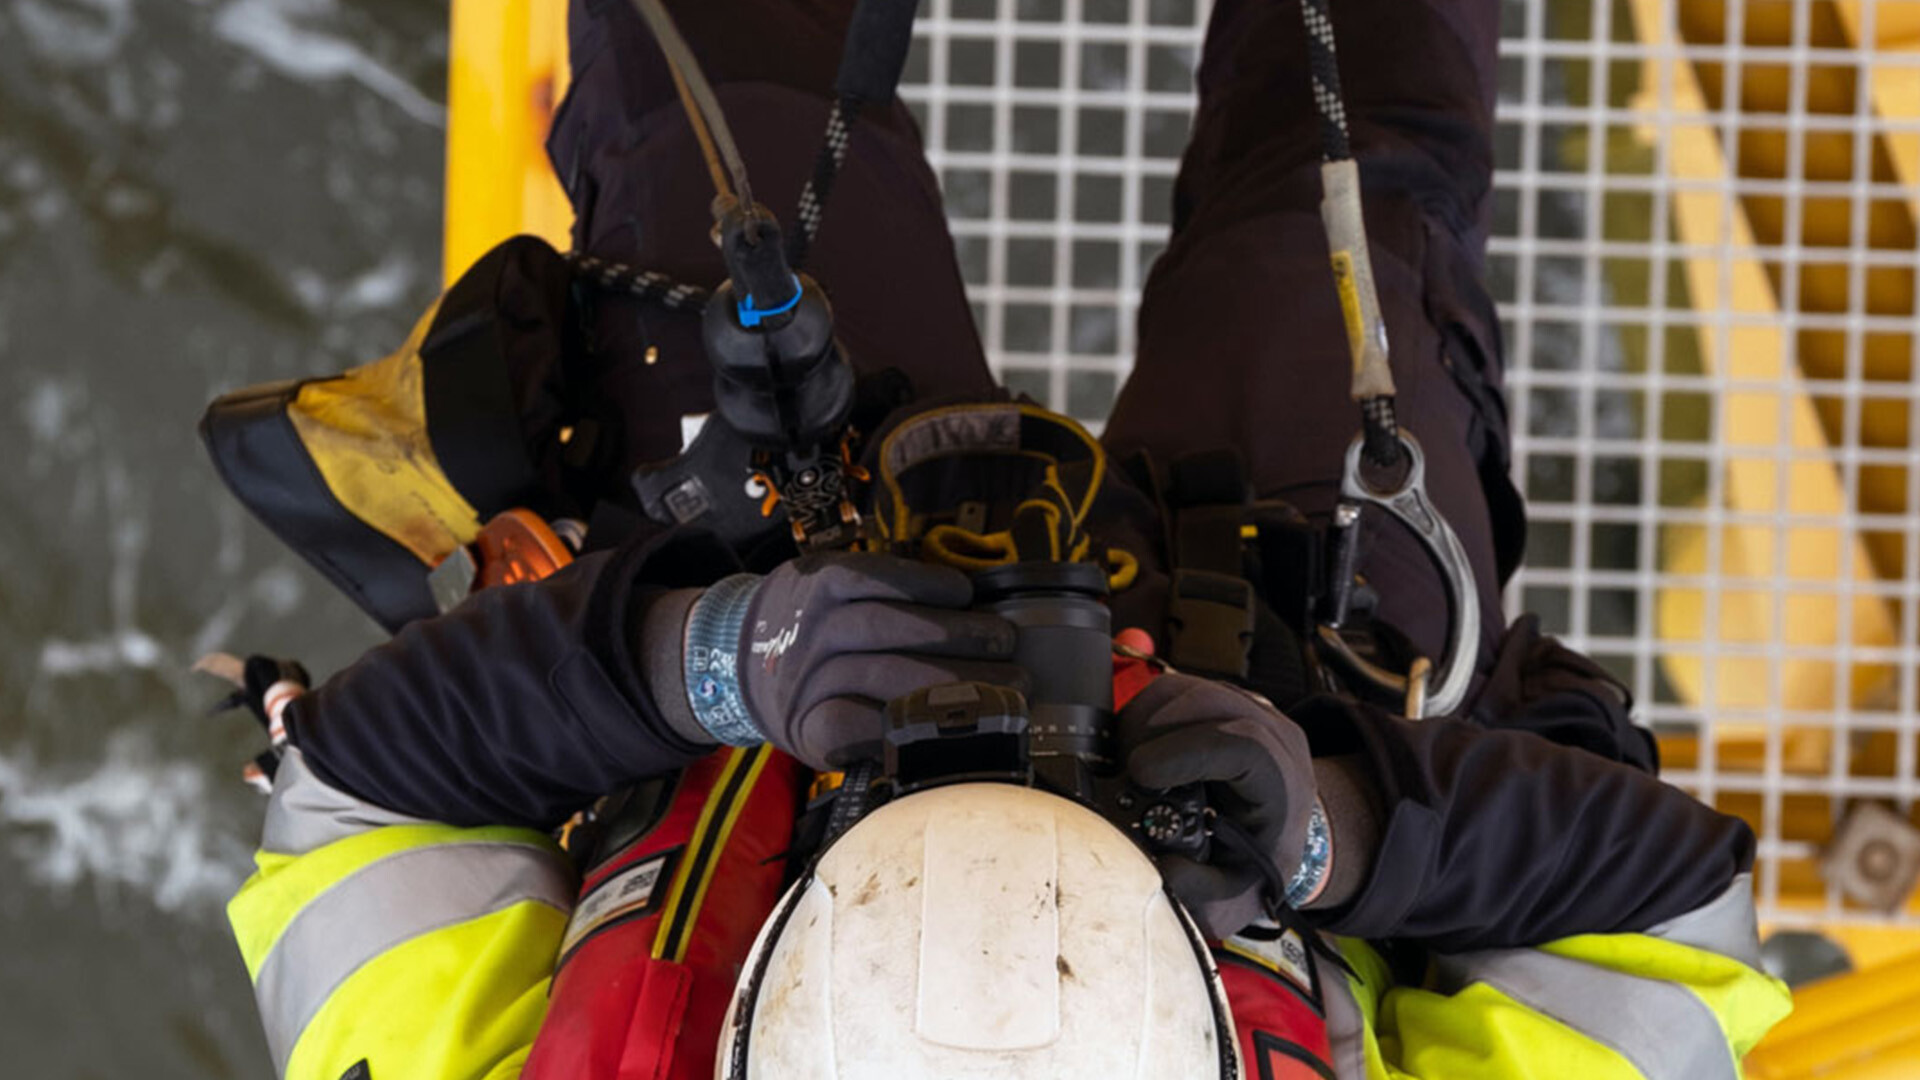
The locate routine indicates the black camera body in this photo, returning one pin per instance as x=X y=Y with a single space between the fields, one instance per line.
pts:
x=1060 y=735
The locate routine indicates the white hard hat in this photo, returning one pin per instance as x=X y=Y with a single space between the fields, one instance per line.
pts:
x=979 y=930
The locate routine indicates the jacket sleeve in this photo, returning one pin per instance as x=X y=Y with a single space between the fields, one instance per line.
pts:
x=519 y=706
x=1500 y=838
x=1537 y=684
x=418 y=948
x=1685 y=999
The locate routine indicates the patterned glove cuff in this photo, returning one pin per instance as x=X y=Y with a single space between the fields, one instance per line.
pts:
x=1314 y=862
x=713 y=661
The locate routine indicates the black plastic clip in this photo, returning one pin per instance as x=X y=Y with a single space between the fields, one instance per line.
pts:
x=1210 y=623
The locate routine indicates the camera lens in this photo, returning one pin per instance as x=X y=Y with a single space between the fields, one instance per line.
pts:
x=1065 y=645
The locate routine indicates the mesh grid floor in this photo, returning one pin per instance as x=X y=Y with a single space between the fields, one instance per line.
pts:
x=1710 y=372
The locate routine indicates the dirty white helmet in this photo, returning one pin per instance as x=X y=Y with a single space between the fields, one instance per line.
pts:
x=979 y=930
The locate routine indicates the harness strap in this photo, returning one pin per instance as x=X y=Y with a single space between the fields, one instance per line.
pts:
x=916 y=469
x=1211 y=606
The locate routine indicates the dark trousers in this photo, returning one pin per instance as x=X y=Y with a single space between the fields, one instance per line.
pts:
x=1240 y=341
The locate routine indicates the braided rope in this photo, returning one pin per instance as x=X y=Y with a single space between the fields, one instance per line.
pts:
x=1381 y=432
x=646 y=285
x=1324 y=64
x=1378 y=425
x=654 y=287
x=826 y=169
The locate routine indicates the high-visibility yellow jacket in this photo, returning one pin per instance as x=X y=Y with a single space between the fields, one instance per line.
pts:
x=425 y=951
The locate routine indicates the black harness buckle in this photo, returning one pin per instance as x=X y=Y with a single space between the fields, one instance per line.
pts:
x=1210 y=623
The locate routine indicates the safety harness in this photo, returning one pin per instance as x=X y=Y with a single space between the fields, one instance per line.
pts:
x=1211 y=605
x=980 y=485
x=1211 y=610
x=419 y=461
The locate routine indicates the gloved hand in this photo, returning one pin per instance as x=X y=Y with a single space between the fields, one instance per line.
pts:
x=807 y=657
x=264 y=684
x=1183 y=729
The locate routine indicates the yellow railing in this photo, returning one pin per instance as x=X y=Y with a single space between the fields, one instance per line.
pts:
x=507 y=74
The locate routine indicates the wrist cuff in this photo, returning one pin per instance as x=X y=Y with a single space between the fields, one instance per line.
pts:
x=713 y=661
x=1351 y=801
x=1314 y=862
x=662 y=647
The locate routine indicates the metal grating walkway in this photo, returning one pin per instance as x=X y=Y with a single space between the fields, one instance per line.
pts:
x=1706 y=263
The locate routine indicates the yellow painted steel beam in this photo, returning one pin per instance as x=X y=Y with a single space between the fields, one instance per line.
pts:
x=1753 y=426
x=1895 y=86
x=1825 y=280
x=1865 y=1025
x=507 y=75
x=1856 y=1025
x=1824 y=285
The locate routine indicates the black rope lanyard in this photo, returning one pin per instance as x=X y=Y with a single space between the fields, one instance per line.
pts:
x=878 y=38
x=648 y=286
x=826 y=169
x=1340 y=212
x=875 y=54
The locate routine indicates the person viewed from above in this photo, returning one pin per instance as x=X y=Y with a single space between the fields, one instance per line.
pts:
x=1438 y=844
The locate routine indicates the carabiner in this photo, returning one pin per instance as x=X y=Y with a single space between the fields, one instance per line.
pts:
x=1409 y=504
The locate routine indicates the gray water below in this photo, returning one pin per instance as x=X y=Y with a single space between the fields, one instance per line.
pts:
x=195 y=195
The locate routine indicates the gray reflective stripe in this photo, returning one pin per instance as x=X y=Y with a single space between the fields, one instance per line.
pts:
x=306 y=813
x=1346 y=1028
x=1726 y=925
x=387 y=904
x=1661 y=1028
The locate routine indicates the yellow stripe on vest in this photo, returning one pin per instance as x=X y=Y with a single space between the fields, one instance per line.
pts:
x=695 y=873
x=759 y=764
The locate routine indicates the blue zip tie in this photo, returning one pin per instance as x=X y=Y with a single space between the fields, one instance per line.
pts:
x=750 y=316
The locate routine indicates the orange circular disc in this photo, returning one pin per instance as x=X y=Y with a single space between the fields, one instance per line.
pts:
x=518 y=546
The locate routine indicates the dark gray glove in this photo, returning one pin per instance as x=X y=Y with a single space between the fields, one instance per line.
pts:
x=1183 y=729
x=807 y=657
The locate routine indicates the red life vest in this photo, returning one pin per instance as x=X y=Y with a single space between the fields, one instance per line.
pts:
x=662 y=927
